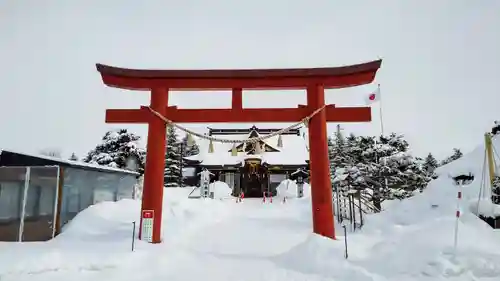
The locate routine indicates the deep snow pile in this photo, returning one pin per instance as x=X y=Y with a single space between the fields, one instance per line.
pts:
x=288 y=189
x=220 y=239
x=220 y=189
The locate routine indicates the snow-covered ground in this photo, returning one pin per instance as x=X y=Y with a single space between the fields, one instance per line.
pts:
x=224 y=240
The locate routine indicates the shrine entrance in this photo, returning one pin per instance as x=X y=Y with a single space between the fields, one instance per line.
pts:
x=254 y=178
x=315 y=115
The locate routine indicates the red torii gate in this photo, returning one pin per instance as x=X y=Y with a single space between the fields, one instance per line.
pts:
x=313 y=80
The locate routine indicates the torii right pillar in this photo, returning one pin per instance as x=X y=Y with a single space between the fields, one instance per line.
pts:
x=321 y=196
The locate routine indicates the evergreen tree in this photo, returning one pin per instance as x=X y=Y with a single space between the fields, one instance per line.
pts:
x=194 y=149
x=340 y=157
x=386 y=168
x=339 y=163
x=456 y=155
x=329 y=142
x=381 y=167
x=51 y=152
x=430 y=164
x=338 y=154
x=495 y=190
x=353 y=148
x=172 y=171
x=73 y=157
x=117 y=148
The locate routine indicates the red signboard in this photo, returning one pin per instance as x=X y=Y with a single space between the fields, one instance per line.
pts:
x=147 y=214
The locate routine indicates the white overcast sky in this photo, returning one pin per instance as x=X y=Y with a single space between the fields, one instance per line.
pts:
x=441 y=58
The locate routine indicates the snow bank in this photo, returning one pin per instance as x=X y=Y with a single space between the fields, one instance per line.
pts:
x=321 y=256
x=288 y=189
x=220 y=189
x=411 y=240
x=112 y=221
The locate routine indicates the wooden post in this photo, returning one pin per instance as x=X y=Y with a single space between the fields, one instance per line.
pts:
x=152 y=197
x=321 y=188
x=237 y=98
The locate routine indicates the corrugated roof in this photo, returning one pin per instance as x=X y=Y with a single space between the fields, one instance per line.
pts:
x=64 y=162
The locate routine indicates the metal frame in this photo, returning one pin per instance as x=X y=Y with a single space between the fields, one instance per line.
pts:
x=23 y=209
x=27 y=180
x=56 y=202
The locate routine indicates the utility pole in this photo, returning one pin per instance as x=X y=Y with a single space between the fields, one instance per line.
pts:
x=490 y=157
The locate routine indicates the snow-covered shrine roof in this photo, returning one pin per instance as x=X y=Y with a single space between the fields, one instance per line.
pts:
x=294 y=151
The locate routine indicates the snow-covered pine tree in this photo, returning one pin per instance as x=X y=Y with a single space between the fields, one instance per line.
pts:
x=172 y=171
x=430 y=164
x=495 y=190
x=353 y=148
x=413 y=176
x=117 y=148
x=389 y=169
x=329 y=142
x=381 y=167
x=51 y=152
x=457 y=153
x=194 y=149
x=73 y=157
x=340 y=158
x=339 y=163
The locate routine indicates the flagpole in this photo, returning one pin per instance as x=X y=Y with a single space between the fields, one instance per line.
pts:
x=386 y=183
x=380 y=112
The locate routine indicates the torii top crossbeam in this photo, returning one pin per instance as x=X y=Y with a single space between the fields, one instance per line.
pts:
x=221 y=79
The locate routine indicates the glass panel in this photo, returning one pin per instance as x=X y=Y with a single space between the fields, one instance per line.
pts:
x=40 y=204
x=11 y=194
x=70 y=205
x=126 y=187
x=106 y=187
x=84 y=188
x=87 y=182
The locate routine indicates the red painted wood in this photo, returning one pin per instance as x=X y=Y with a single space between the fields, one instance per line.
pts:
x=152 y=196
x=247 y=115
x=237 y=99
x=134 y=116
x=210 y=84
x=321 y=192
x=239 y=73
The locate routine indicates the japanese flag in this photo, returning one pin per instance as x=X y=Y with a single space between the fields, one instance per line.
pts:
x=373 y=97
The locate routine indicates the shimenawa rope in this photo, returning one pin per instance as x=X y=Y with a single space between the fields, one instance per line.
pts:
x=304 y=121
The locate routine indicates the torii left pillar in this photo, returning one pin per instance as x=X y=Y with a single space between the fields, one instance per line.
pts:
x=152 y=197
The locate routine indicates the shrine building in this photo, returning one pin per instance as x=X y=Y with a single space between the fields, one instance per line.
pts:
x=250 y=168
